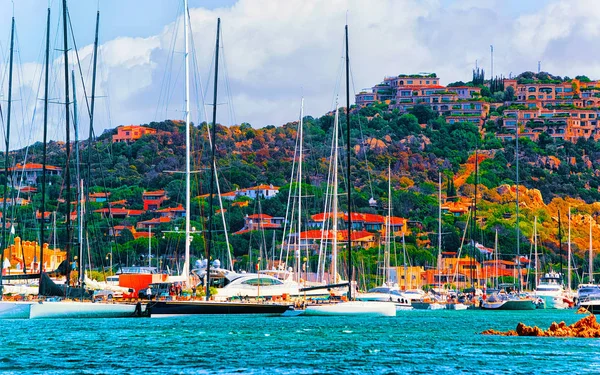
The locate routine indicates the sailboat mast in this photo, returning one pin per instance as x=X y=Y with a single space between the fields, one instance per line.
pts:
x=569 y=254
x=591 y=260
x=68 y=139
x=517 y=212
x=388 y=227
x=348 y=170
x=439 y=260
x=7 y=140
x=535 y=246
x=496 y=254
x=44 y=151
x=91 y=129
x=334 y=253
x=300 y=155
x=212 y=161
x=185 y=272
x=79 y=205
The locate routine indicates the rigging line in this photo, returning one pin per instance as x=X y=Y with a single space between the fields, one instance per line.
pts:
x=363 y=140
x=163 y=93
x=227 y=83
x=87 y=103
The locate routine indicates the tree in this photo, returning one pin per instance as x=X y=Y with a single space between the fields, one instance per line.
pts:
x=509 y=94
x=423 y=113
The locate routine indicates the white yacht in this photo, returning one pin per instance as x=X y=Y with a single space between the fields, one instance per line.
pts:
x=551 y=290
x=386 y=294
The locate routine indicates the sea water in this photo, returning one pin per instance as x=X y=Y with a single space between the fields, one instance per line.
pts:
x=426 y=342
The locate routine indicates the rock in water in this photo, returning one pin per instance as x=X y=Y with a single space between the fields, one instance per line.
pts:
x=587 y=327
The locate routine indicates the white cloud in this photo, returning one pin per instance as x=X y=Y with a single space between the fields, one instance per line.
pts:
x=276 y=51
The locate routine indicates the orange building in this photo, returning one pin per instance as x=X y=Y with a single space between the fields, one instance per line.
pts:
x=153 y=199
x=131 y=133
x=26 y=254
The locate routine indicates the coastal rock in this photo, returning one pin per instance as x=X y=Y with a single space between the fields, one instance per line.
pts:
x=587 y=327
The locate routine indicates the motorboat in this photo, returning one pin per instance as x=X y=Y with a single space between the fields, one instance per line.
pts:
x=506 y=301
x=552 y=291
x=585 y=290
x=352 y=308
x=591 y=303
x=386 y=294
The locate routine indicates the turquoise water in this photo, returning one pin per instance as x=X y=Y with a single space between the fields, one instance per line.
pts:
x=413 y=342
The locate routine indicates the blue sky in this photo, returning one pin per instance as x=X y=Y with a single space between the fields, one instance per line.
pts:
x=275 y=51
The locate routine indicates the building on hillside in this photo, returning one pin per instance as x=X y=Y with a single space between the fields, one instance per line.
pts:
x=311 y=239
x=131 y=133
x=153 y=222
x=172 y=212
x=47 y=216
x=363 y=222
x=26 y=254
x=15 y=201
x=455 y=208
x=260 y=222
x=262 y=191
x=30 y=172
x=118 y=229
x=99 y=197
x=153 y=199
x=407 y=278
x=465 y=92
x=118 y=213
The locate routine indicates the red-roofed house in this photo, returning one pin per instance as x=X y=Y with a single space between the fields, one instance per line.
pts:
x=364 y=221
x=99 y=197
x=47 y=214
x=153 y=222
x=130 y=133
x=263 y=191
x=312 y=238
x=153 y=199
x=172 y=212
x=30 y=173
x=259 y=222
x=118 y=213
x=118 y=229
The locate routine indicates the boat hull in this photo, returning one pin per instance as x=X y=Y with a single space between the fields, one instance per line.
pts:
x=166 y=308
x=593 y=308
x=73 y=309
x=15 y=310
x=510 y=305
x=456 y=306
x=352 y=308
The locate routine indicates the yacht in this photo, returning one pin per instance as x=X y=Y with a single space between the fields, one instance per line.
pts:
x=506 y=301
x=551 y=290
x=585 y=290
x=591 y=303
x=386 y=294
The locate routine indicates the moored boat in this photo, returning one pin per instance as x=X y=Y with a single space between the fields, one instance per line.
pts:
x=83 y=309
x=167 y=308
x=15 y=309
x=352 y=308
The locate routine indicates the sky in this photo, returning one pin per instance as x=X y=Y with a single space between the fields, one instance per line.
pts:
x=273 y=53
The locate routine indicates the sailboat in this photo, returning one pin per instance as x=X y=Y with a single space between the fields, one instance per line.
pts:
x=350 y=307
x=59 y=309
x=512 y=301
x=388 y=292
x=167 y=308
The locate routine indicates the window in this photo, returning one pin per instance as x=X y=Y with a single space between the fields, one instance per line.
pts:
x=427 y=82
x=540 y=96
x=527 y=115
x=409 y=82
x=263 y=281
x=559 y=89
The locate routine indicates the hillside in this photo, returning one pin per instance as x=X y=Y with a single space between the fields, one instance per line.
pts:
x=554 y=175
